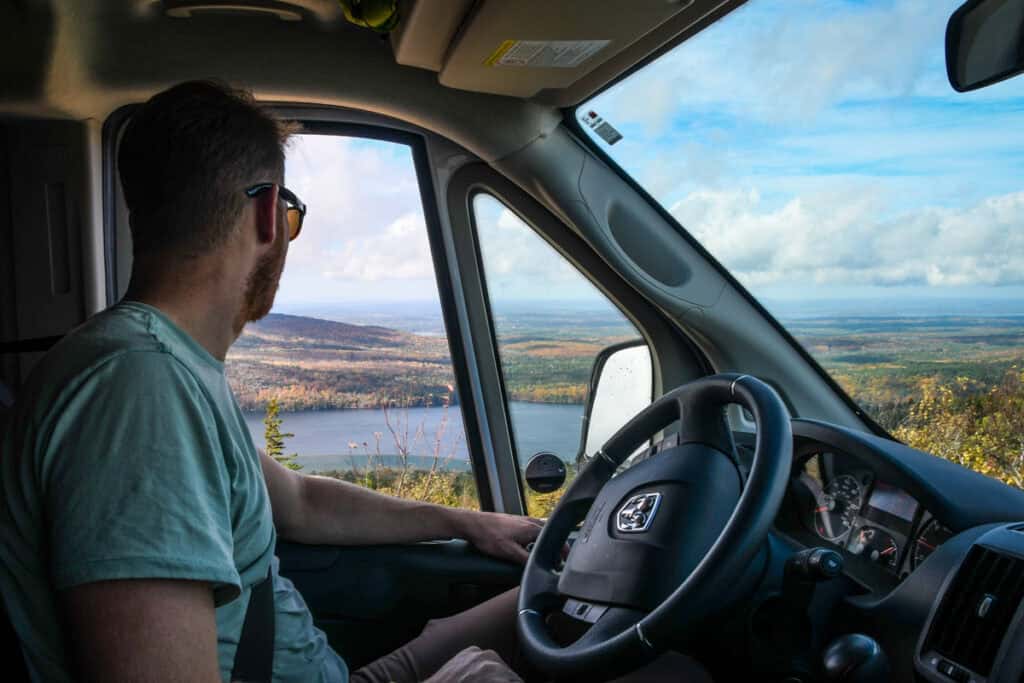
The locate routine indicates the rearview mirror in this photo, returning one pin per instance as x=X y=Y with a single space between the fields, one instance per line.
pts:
x=621 y=385
x=983 y=43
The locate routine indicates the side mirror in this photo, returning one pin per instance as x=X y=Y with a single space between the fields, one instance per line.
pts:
x=545 y=472
x=621 y=385
x=983 y=43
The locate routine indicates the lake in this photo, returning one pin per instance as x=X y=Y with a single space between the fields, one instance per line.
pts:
x=334 y=439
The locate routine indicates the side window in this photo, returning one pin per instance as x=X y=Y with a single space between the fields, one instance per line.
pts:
x=551 y=325
x=350 y=375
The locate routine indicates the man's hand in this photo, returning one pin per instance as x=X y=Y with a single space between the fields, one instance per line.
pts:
x=473 y=665
x=499 y=535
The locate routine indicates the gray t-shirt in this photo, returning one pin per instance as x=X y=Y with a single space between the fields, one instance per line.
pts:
x=127 y=457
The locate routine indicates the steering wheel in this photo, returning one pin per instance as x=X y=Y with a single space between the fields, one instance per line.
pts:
x=664 y=543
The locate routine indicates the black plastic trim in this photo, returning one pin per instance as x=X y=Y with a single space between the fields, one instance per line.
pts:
x=953 y=30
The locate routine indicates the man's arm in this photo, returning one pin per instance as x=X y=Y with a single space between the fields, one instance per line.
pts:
x=311 y=509
x=143 y=630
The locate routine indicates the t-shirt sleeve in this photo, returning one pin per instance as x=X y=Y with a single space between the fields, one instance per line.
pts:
x=135 y=480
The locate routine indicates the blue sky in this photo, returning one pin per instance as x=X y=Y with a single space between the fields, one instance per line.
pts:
x=364 y=239
x=813 y=146
x=816 y=149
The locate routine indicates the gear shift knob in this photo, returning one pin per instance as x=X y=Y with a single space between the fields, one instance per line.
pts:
x=855 y=658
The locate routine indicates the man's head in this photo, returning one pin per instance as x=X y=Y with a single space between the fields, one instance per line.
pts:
x=187 y=157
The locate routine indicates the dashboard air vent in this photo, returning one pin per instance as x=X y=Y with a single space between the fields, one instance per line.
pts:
x=976 y=610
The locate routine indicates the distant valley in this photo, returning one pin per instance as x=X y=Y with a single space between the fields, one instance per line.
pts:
x=309 y=363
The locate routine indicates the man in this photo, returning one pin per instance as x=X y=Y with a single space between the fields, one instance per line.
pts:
x=137 y=515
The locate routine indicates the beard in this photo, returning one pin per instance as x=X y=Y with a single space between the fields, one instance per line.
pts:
x=261 y=287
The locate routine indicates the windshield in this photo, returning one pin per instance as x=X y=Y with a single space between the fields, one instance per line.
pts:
x=816 y=149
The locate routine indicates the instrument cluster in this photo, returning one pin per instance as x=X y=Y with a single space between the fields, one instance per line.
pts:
x=878 y=523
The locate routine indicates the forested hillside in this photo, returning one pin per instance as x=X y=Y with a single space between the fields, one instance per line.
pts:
x=950 y=386
x=311 y=364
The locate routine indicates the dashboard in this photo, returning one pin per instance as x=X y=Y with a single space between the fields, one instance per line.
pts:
x=911 y=529
x=845 y=499
x=849 y=507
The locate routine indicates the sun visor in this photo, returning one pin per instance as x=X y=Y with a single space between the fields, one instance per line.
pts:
x=425 y=31
x=521 y=48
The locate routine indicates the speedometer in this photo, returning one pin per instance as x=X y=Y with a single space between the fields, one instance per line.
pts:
x=835 y=509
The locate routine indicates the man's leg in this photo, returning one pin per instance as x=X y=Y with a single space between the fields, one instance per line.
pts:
x=490 y=625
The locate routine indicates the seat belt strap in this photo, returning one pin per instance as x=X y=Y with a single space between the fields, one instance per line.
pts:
x=254 y=658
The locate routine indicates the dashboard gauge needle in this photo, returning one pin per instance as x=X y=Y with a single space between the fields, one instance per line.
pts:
x=823 y=508
x=826 y=522
x=888 y=551
x=926 y=544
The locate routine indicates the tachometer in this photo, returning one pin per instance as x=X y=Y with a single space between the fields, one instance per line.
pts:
x=931 y=537
x=836 y=508
x=876 y=545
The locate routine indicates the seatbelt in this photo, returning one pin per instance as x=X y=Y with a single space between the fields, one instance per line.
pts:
x=254 y=658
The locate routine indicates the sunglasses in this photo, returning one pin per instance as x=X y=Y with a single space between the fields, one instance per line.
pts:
x=295 y=211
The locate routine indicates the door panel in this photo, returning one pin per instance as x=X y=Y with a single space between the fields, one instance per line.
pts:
x=370 y=600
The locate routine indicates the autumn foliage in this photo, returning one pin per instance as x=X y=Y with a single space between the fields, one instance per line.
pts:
x=947 y=386
x=974 y=424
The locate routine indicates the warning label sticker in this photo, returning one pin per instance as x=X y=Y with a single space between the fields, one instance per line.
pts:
x=564 y=54
x=604 y=130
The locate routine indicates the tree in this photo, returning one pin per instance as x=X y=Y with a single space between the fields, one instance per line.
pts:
x=973 y=423
x=275 y=438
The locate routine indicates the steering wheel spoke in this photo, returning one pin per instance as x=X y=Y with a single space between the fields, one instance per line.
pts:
x=591 y=479
x=614 y=621
x=543 y=586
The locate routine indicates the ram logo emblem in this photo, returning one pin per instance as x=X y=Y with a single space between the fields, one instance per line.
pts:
x=638 y=513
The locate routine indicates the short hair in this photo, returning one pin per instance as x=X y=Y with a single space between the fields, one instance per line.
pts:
x=185 y=159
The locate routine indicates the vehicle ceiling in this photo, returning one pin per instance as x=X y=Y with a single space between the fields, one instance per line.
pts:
x=83 y=59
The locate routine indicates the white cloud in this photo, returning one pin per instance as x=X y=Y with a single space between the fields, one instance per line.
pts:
x=816 y=145
x=364 y=238
x=803 y=142
x=836 y=238
x=518 y=263
x=787 y=61
x=398 y=252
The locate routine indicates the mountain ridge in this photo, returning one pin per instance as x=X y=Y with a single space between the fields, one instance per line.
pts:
x=284 y=327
